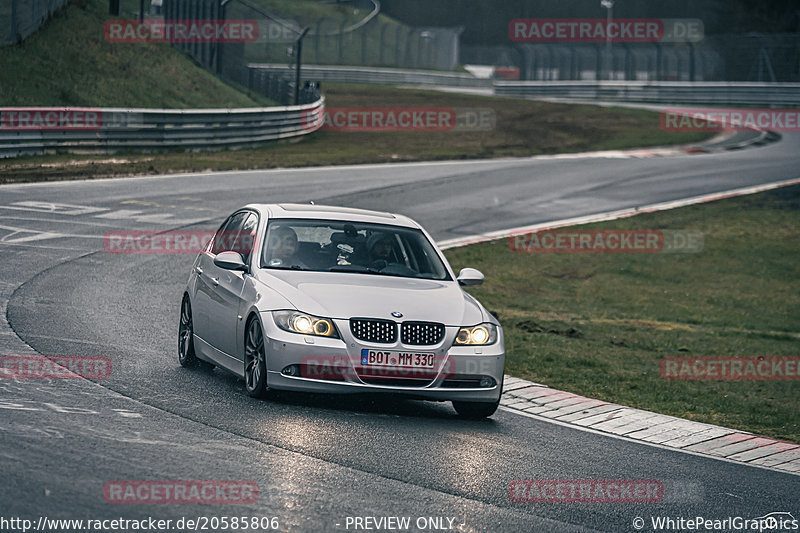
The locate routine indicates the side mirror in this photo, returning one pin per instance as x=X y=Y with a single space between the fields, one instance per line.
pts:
x=230 y=261
x=470 y=277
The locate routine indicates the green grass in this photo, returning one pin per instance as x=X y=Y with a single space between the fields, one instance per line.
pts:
x=598 y=324
x=523 y=128
x=68 y=63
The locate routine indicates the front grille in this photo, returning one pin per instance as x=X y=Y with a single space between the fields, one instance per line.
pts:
x=374 y=330
x=421 y=333
x=396 y=382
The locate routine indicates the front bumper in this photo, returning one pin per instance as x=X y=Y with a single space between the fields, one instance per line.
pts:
x=337 y=366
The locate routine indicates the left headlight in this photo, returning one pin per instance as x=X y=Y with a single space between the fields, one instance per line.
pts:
x=485 y=333
x=297 y=322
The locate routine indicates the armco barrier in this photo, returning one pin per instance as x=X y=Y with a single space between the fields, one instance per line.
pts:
x=717 y=93
x=150 y=129
x=381 y=76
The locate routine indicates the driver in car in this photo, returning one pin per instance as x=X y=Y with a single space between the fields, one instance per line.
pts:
x=282 y=248
x=380 y=250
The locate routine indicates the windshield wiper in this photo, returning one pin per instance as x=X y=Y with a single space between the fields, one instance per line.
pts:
x=367 y=270
x=349 y=268
x=292 y=267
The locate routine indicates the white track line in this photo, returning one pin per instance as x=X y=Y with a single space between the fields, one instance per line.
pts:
x=501 y=161
x=612 y=215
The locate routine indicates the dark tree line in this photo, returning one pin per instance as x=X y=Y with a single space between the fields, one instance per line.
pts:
x=486 y=21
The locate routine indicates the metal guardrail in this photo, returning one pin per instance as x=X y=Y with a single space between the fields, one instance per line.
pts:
x=109 y=130
x=381 y=76
x=717 y=93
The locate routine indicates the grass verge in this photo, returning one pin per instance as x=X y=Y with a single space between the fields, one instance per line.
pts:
x=68 y=62
x=599 y=324
x=523 y=128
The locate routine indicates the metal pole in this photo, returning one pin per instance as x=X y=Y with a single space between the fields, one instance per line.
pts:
x=297 y=66
x=609 y=5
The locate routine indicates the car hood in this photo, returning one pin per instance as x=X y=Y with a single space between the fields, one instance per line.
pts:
x=346 y=295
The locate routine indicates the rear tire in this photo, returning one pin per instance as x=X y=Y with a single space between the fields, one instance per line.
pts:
x=255 y=360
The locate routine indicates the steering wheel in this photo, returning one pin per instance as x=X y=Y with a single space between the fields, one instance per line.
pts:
x=399 y=269
x=379 y=264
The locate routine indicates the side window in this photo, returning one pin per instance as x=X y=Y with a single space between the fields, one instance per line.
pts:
x=245 y=240
x=226 y=236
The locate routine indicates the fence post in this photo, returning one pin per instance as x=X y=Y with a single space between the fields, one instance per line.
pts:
x=341 y=41
x=598 y=63
x=299 y=53
x=317 y=37
x=408 y=60
x=381 y=45
x=364 y=44
x=397 y=45
x=420 y=50
x=573 y=63
x=659 y=61
x=14 y=38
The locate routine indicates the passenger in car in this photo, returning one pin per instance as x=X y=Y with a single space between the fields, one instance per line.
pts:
x=282 y=248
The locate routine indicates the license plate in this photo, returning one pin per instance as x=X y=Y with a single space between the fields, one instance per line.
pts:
x=399 y=359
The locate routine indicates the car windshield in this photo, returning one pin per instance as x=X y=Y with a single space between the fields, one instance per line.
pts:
x=340 y=246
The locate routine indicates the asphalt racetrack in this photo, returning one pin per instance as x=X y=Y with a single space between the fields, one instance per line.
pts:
x=318 y=461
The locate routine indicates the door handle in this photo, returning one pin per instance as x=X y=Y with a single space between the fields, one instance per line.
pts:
x=215 y=281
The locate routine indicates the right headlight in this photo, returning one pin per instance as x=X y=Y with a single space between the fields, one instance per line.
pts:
x=481 y=334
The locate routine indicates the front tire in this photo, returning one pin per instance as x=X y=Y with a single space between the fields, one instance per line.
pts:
x=186 y=355
x=475 y=410
x=255 y=360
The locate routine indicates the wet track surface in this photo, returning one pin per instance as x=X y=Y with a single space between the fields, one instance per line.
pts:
x=316 y=459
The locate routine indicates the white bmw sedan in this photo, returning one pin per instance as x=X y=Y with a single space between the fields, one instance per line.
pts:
x=339 y=300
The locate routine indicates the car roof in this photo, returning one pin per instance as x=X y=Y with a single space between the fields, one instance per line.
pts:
x=329 y=212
